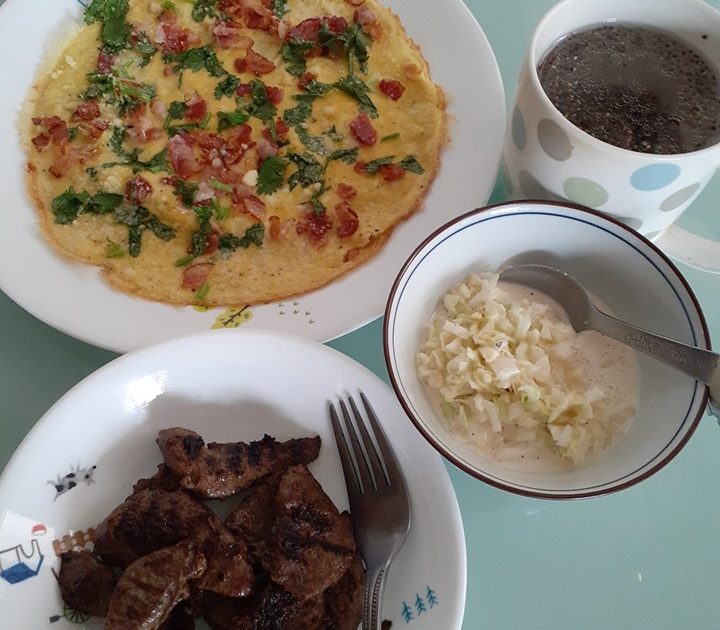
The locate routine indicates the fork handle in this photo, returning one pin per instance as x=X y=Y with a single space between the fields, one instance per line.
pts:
x=372 y=604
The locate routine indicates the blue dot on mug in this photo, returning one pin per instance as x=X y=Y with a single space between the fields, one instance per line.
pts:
x=654 y=176
x=585 y=191
x=554 y=140
x=519 y=131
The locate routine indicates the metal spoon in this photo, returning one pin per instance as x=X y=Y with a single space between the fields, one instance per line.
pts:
x=702 y=365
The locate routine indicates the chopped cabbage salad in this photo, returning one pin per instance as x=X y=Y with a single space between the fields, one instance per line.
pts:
x=506 y=376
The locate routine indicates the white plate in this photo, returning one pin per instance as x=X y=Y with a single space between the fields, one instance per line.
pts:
x=74 y=299
x=228 y=386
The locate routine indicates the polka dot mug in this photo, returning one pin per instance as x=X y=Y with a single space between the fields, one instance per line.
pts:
x=548 y=157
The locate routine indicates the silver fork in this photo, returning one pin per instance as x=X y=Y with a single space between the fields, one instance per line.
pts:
x=379 y=500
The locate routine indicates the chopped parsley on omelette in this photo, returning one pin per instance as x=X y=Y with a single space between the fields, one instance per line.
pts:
x=232 y=151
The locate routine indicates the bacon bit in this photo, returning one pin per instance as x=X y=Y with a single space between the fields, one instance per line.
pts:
x=281 y=131
x=308 y=30
x=172 y=37
x=147 y=135
x=362 y=130
x=351 y=254
x=243 y=89
x=41 y=141
x=305 y=80
x=204 y=192
x=142 y=127
x=65 y=161
x=158 y=108
x=196 y=107
x=86 y=111
x=359 y=166
x=212 y=241
x=412 y=71
x=345 y=191
x=59 y=166
x=391 y=172
x=348 y=219
x=196 y=275
x=259 y=22
x=255 y=14
x=137 y=190
x=364 y=16
x=392 y=89
x=241 y=191
x=375 y=30
x=254 y=206
x=254 y=63
x=279 y=228
x=105 y=62
x=275 y=94
x=227 y=35
x=30 y=167
x=56 y=129
x=314 y=225
x=265 y=149
x=283 y=29
x=336 y=24
x=181 y=156
x=95 y=128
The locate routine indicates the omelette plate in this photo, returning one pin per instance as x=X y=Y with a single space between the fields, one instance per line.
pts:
x=74 y=299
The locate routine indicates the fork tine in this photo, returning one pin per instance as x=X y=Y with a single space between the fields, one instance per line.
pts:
x=349 y=471
x=376 y=464
x=366 y=481
x=394 y=474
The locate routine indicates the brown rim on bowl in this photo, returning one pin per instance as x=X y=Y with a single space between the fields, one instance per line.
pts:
x=446 y=453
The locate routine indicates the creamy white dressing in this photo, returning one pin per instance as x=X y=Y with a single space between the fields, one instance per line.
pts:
x=596 y=366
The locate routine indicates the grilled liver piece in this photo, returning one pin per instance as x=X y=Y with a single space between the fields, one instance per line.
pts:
x=343 y=601
x=312 y=543
x=86 y=584
x=151 y=587
x=150 y=520
x=252 y=521
x=216 y=471
x=271 y=609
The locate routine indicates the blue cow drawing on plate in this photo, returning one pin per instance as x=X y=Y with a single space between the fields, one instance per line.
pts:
x=16 y=565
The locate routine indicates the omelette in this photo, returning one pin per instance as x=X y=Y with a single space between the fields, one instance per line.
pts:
x=231 y=151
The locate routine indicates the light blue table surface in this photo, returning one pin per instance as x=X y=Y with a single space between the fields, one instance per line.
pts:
x=646 y=558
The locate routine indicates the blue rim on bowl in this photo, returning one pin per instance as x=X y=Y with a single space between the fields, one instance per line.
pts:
x=645 y=250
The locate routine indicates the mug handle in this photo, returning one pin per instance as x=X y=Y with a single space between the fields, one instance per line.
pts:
x=691 y=249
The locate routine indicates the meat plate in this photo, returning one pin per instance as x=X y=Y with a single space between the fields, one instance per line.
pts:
x=84 y=455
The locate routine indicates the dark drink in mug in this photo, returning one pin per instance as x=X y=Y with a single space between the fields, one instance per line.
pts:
x=635 y=87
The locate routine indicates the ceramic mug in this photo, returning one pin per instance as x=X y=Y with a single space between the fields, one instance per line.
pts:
x=548 y=157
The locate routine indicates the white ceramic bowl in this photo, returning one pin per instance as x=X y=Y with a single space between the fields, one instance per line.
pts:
x=627 y=272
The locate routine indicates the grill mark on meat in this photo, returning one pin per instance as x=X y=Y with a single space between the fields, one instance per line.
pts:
x=220 y=470
x=306 y=513
x=271 y=609
x=193 y=444
x=293 y=543
x=151 y=586
x=150 y=520
x=229 y=571
x=302 y=558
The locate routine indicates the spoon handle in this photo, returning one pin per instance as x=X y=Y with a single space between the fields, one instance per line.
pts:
x=702 y=365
